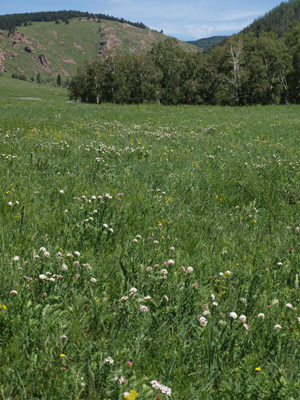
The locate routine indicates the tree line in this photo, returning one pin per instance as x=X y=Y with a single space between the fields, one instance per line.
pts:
x=11 y=21
x=246 y=70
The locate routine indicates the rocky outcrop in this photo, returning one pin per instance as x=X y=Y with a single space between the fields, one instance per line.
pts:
x=1 y=32
x=29 y=49
x=43 y=59
x=3 y=56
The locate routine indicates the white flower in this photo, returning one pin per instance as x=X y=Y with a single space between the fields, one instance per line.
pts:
x=16 y=258
x=297 y=229
x=206 y=312
x=155 y=241
x=279 y=263
x=172 y=248
x=212 y=297
x=77 y=253
x=189 y=270
x=109 y=360
x=42 y=276
x=138 y=237
x=228 y=273
x=94 y=197
x=14 y=292
x=147 y=298
x=64 y=337
x=143 y=308
x=133 y=290
x=42 y=249
x=288 y=305
x=202 y=320
x=233 y=315
x=277 y=326
x=93 y=280
x=215 y=303
x=298 y=319
x=10 y=203
x=105 y=225
x=135 y=240
x=243 y=318
x=111 y=229
x=244 y=300
x=261 y=315
x=61 y=191
x=164 y=271
x=221 y=274
x=124 y=298
x=46 y=254
x=246 y=326
x=64 y=267
x=171 y=261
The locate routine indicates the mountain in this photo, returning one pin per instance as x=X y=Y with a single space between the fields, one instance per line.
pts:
x=279 y=19
x=207 y=43
x=56 y=47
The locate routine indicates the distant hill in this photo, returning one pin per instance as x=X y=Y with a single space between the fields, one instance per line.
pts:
x=207 y=43
x=10 y=21
x=52 y=48
x=279 y=19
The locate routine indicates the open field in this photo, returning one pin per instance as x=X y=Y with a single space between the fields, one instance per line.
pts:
x=162 y=238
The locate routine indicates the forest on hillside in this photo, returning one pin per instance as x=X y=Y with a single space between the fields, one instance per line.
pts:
x=279 y=19
x=11 y=21
x=245 y=70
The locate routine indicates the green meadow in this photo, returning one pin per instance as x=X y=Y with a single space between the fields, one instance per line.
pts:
x=147 y=252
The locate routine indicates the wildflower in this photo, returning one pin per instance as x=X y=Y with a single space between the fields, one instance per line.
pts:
x=134 y=240
x=10 y=203
x=288 y=227
x=223 y=315
x=129 y=363
x=166 y=297
x=164 y=271
x=64 y=337
x=297 y=229
x=291 y=248
x=17 y=202
x=246 y=326
x=44 y=294
x=277 y=326
x=46 y=254
x=138 y=237
x=147 y=298
x=69 y=255
x=143 y=308
x=212 y=297
x=215 y=303
x=93 y=280
x=279 y=263
x=206 y=312
x=64 y=267
x=16 y=258
x=62 y=355
x=233 y=315
x=111 y=230
x=149 y=268
x=77 y=253
x=243 y=300
x=269 y=306
x=94 y=197
x=243 y=318
x=133 y=290
x=172 y=248
x=61 y=191
x=109 y=360
x=261 y=315
x=288 y=305
x=227 y=273
x=42 y=249
x=131 y=395
x=14 y=292
x=77 y=276
x=189 y=270
x=195 y=285
x=171 y=261
x=124 y=298
x=257 y=369
x=36 y=256
x=155 y=241
x=156 y=265
x=298 y=319
x=42 y=276
x=59 y=254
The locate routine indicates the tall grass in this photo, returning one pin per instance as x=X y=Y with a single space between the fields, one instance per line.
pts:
x=134 y=234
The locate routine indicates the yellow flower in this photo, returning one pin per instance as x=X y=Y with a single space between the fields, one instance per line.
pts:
x=131 y=395
x=97 y=301
x=258 y=369
x=4 y=307
x=62 y=355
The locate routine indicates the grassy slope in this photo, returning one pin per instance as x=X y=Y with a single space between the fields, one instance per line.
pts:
x=12 y=88
x=206 y=43
x=65 y=46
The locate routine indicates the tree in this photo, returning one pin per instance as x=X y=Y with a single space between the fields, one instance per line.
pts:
x=58 y=80
x=38 y=78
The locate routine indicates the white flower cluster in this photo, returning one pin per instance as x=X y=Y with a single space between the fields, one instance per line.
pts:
x=164 y=389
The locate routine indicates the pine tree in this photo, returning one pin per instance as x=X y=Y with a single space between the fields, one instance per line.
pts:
x=38 y=78
x=58 y=81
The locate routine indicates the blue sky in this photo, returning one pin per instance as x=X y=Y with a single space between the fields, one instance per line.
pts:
x=184 y=19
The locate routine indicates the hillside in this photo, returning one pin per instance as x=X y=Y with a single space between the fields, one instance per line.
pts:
x=207 y=43
x=49 y=48
x=279 y=19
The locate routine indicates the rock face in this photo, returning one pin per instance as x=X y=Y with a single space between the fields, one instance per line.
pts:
x=3 y=56
x=43 y=59
x=29 y=49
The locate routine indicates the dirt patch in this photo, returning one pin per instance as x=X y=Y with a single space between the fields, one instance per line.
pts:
x=127 y=25
x=141 y=45
x=14 y=55
x=68 y=60
x=15 y=46
x=63 y=43
x=133 y=51
x=38 y=28
x=29 y=49
x=78 y=47
x=1 y=32
x=50 y=43
x=110 y=30
x=41 y=47
x=55 y=34
x=129 y=41
x=21 y=70
x=3 y=56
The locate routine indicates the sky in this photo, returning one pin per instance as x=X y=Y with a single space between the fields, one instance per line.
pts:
x=183 y=19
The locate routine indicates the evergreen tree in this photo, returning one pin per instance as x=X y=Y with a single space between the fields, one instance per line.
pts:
x=58 y=80
x=38 y=78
